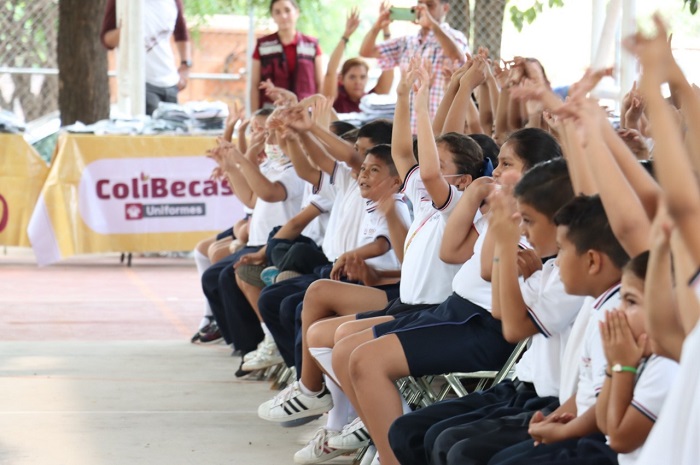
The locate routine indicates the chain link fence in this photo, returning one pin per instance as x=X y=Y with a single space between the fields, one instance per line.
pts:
x=29 y=28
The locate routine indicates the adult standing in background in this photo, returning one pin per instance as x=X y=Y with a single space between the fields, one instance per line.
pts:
x=435 y=42
x=162 y=19
x=288 y=58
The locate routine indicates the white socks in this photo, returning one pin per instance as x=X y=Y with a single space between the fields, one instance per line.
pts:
x=266 y=330
x=342 y=408
x=203 y=262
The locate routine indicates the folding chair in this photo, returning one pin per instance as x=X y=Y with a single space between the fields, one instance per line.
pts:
x=485 y=379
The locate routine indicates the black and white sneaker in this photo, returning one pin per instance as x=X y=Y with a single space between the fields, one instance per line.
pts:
x=291 y=404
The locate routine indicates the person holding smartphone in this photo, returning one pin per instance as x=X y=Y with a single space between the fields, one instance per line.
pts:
x=435 y=42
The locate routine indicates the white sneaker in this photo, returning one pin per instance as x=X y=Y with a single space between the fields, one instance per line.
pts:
x=254 y=353
x=370 y=456
x=266 y=356
x=317 y=450
x=291 y=404
x=353 y=436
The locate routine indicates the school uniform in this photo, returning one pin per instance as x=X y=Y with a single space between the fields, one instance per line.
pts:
x=426 y=281
x=458 y=335
x=591 y=376
x=445 y=427
x=236 y=318
x=674 y=438
x=303 y=253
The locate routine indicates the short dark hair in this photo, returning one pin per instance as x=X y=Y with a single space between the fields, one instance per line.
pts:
x=378 y=131
x=488 y=146
x=265 y=111
x=341 y=127
x=466 y=153
x=546 y=187
x=589 y=228
x=534 y=145
x=293 y=2
x=638 y=265
x=383 y=153
x=350 y=136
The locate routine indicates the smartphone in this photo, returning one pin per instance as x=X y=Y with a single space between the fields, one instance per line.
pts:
x=402 y=14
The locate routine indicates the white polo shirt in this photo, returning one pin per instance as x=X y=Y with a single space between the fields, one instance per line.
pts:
x=321 y=197
x=674 y=437
x=653 y=383
x=425 y=279
x=374 y=225
x=267 y=215
x=468 y=283
x=553 y=312
x=592 y=360
x=346 y=215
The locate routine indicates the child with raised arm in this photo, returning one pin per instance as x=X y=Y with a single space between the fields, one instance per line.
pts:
x=674 y=436
x=590 y=260
x=369 y=361
x=449 y=164
x=538 y=307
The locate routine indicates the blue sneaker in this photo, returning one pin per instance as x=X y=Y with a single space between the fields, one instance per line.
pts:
x=269 y=274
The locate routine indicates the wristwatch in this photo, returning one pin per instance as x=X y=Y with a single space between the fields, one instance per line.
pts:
x=617 y=368
x=187 y=63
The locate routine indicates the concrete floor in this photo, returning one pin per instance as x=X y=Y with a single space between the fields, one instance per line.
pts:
x=96 y=368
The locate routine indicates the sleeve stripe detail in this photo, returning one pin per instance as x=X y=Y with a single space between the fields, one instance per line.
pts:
x=643 y=410
x=318 y=207
x=450 y=196
x=538 y=322
x=408 y=176
x=333 y=173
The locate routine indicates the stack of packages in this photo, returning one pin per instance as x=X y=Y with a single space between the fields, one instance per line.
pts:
x=372 y=106
x=9 y=123
x=190 y=117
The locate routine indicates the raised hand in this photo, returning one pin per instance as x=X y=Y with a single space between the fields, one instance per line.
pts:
x=299 y=119
x=352 y=22
x=422 y=86
x=587 y=83
x=384 y=18
x=423 y=17
x=653 y=52
x=475 y=75
x=280 y=96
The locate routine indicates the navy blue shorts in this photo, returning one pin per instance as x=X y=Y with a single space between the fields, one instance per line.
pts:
x=391 y=290
x=395 y=307
x=456 y=336
x=225 y=234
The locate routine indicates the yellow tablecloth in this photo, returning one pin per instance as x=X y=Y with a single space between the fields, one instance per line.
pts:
x=129 y=194
x=22 y=173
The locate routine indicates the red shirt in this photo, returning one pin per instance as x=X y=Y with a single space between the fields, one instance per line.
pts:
x=344 y=104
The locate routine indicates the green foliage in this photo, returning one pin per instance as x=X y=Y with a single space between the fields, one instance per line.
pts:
x=520 y=16
x=325 y=27
x=693 y=5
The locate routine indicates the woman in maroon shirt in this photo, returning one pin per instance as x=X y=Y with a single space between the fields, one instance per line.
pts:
x=347 y=89
x=288 y=58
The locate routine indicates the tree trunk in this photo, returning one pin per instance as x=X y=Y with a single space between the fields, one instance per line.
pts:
x=83 y=90
x=488 y=25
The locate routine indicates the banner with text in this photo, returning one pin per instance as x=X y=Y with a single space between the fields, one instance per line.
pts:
x=129 y=194
x=22 y=173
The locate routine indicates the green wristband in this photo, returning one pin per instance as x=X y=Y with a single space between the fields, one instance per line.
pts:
x=617 y=368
